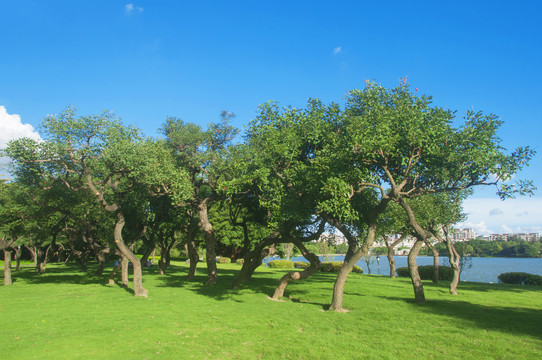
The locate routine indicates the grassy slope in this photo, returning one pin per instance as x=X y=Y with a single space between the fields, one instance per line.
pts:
x=65 y=314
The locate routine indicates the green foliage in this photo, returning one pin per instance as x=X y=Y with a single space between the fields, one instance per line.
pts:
x=240 y=261
x=281 y=264
x=520 y=278
x=301 y=265
x=426 y=272
x=223 y=260
x=335 y=266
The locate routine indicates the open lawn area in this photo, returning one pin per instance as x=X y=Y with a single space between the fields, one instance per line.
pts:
x=67 y=314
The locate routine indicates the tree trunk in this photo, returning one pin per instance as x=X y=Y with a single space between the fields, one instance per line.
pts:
x=454 y=263
x=114 y=273
x=139 y=290
x=210 y=243
x=32 y=249
x=162 y=262
x=391 y=261
x=435 y=262
x=100 y=256
x=419 y=295
x=145 y=257
x=124 y=271
x=192 y=252
x=253 y=259
x=298 y=275
x=348 y=264
x=7 y=267
x=17 y=258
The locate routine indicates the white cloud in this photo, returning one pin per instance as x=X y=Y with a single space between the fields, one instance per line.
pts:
x=337 y=50
x=479 y=228
x=487 y=216
x=130 y=8
x=11 y=128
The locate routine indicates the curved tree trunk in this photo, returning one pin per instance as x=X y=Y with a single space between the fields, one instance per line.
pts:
x=162 y=262
x=346 y=268
x=210 y=243
x=254 y=259
x=7 y=267
x=114 y=273
x=454 y=263
x=298 y=275
x=192 y=253
x=419 y=295
x=435 y=262
x=124 y=271
x=17 y=258
x=32 y=249
x=101 y=263
x=391 y=261
x=139 y=290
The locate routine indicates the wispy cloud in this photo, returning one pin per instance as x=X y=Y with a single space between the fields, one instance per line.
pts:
x=494 y=212
x=130 y=8
x=337 y=50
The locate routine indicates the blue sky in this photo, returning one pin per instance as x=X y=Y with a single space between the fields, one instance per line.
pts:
x=147 y=60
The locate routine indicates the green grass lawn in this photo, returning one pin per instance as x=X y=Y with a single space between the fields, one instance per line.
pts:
x=67 y=314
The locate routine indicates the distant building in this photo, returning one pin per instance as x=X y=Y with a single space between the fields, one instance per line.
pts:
x=463 y=234
x=332 y=239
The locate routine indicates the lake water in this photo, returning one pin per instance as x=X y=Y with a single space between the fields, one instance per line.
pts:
x=482 y=270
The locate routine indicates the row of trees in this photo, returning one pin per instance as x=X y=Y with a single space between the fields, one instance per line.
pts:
x=386 y=162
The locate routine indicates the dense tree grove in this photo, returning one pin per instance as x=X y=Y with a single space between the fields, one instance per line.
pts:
x=387 y=162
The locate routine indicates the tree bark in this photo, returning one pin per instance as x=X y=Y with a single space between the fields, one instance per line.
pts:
x=114 y=273
x=100 y=256
x=192 y=251
x=454 y=263
x=435 y=261
x=17 y=257
x=162 y=262
x=139 y=290
x=210 y=242
x=7 y=267
x=391 y=260
x=348 y=264
x=298 y=275
x=253 y=259
x=419 y=295
x=32 y=249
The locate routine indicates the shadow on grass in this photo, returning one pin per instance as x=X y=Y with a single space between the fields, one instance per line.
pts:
x=508 y=319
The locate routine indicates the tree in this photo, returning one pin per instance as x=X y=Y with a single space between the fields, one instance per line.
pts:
x=201 y=154
x=100 y=155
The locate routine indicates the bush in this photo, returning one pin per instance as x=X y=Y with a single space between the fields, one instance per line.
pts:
x=520 y=278
x=240 y=261
x=281 y=264
x=301 y=265
x=426 y=272
x=335 y=266
x=223 y=260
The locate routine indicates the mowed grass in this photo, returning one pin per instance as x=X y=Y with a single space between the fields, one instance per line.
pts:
x=67 y=314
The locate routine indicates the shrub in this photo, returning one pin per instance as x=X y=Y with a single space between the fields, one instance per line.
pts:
x=426 y=272
x=301 y=265
x=240 y=261
x=223 y=260
x=335 y=266
x=520 y=278
x=281 y=264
